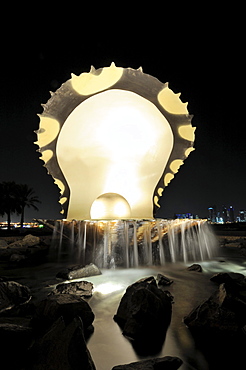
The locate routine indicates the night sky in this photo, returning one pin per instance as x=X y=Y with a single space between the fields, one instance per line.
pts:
x=202 y=58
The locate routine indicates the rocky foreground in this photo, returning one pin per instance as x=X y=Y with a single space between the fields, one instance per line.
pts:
x=52 y=333
x=24 y=250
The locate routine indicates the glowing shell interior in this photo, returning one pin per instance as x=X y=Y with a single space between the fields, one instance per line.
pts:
x=112 y=139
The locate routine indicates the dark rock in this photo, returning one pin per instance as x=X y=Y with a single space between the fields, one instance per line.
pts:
x=243 y=251
x=168 y=295
x=16 y=320
x=224 y=311
x=242 y=247
x=66 y=305
x=62 y=347
x=218 y=325
x=16 y=245
x=165 y=363
x=36 y=254
x=6 y=253
x=3 y=243
x=16 y=257
x=22 y=244
x=12 y=294
x=210 y=318
x=27 y=250
x=231 y=293
x=81 y=288
x=28 y=241
x=230 y=278
x=145 y=281
x=234 y=300
x=78 y=271
x=15 y=341
x=195 y=267
x=125 y=303
x=163 y=280
x=144 y=315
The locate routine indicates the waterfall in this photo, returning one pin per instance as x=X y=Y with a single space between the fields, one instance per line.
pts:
x=133 y=243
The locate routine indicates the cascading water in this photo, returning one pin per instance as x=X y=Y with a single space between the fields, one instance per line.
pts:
x=111 y=139
x=133 y=243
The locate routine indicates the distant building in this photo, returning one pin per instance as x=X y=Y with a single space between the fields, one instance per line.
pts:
x=242 y=216
x=185 y=215
x=223 y=216
x=231 y=214
x=212 y=214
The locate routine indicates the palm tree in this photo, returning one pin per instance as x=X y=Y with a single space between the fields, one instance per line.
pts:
x=25 y=198
x=8 y=204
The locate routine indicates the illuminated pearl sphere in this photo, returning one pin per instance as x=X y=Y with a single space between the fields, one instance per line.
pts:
x=110 y=206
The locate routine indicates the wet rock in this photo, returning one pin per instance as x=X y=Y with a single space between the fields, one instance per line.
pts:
x=79 y=271
x=210 y=318
x=225 y=311
x=217 y=325
x=123 y=309
x=81 y=288
x=231 y=293
x=62 y=347
x=232 y=300
x=165 y=363
x=12 y=294
x=144 y=315
x=66 y=305
x=230 y=278
x=163 y=280
x=195 y=267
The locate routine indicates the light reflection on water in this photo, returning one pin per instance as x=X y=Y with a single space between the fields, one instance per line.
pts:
x=108 y=346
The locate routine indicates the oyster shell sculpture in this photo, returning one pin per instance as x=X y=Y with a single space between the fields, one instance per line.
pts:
x=113 y=139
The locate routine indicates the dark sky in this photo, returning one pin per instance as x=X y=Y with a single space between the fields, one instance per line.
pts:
x=202 y=58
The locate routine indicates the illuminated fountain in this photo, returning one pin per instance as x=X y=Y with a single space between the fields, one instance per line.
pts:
x=113 y=139
x=133 y=243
